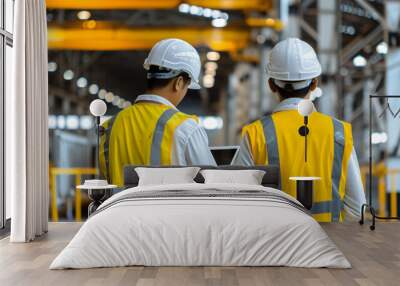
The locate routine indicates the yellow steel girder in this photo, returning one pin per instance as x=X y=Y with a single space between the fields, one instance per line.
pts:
x=103 y=38
x=159 y=4
x=275 y=24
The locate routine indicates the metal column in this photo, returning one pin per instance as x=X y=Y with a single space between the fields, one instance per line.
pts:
x=290 y=19
x=267 y=100
x=327 y=51
x=230 y=111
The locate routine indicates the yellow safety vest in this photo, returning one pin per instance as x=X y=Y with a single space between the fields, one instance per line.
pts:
x=139 y=135
x=275 y=139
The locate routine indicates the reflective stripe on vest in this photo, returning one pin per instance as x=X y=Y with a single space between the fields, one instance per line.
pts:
x=271 y=141
x=142 y=134
x=155 y=157
x=335 y=205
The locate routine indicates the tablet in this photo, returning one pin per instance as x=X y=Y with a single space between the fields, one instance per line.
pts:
x=224 y=155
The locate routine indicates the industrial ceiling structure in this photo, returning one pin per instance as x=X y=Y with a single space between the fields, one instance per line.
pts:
x=97 y=47
x=106 y=42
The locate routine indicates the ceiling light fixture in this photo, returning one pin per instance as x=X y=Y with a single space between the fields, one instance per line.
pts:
x=82 y=82
x=86 y=122
x=219 y=23
x=210 y=72
x=121 y=103
x=211 y=65
x=126 y=104
x=194 y=10
x=382 y=48
x=102 y=93
x=205 y=12
x=224 y=16
x=72 y=122
x=359 y=61
x=211 y=122
x=213 y=56
x=61 y=122
x=93 y=89
x=68 y=75
x=109 y=97
x=184 y=8
x=52 y=66
x=208 y=81
x=115 y=100
x=83 y=15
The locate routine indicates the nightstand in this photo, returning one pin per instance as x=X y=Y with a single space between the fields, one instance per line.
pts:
x=98 y=194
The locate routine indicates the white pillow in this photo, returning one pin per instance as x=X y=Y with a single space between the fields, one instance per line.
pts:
x=247 y=177
x=166 y=176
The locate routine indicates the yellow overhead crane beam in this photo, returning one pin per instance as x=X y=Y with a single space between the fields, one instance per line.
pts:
x=98 y=36
x=263 y=5
x=272 y=23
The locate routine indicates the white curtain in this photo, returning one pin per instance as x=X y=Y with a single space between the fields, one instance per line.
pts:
x=26 y=124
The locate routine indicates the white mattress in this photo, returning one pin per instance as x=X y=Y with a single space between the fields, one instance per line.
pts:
x=189 y=231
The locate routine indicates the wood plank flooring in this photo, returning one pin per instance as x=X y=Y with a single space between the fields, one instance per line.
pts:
x=375 y=257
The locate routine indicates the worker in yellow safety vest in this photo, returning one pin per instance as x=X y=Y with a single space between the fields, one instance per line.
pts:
x=293 y=69
x=153 y=131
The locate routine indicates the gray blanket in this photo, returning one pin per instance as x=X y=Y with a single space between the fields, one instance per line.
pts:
x=201 y=194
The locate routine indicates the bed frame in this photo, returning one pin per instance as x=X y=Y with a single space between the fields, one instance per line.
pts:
x=270 y=179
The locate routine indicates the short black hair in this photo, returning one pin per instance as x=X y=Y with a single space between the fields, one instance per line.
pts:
x=153 y=83
x=289 y=92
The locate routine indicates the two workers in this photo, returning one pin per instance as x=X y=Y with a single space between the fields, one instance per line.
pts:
x=154 y=132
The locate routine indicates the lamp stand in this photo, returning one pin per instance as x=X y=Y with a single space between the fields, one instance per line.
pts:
x=98 y=147
x=304 y=190
x=303 y=131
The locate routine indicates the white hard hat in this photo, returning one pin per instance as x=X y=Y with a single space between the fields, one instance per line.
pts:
x=293 y=60
x=177 y=55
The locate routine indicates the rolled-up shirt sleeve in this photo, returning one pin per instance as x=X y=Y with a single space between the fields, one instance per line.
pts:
x=355 y=196
x=197 y=150
x=191 y=145
x=244 y=158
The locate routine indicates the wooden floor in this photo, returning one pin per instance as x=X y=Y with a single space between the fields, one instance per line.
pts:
x=375 y=257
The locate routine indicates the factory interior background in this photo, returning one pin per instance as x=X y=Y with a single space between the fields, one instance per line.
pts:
x=96 y=49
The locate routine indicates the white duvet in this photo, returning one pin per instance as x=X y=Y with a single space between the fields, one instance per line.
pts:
x=188 y=231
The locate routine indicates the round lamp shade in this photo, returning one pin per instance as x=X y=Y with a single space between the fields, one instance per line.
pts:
x=305 y=107
x=98 y=107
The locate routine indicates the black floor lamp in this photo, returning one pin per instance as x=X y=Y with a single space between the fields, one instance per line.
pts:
x=98 y=108
x=98 y=189
x=369 y=204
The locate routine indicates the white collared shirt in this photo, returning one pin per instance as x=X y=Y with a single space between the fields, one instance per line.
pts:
x=190 y=144
x=354 y=197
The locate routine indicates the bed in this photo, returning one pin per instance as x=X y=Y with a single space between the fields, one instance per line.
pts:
x=201 y=224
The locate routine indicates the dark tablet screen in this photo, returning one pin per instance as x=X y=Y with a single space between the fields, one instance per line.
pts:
x=224 y=155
